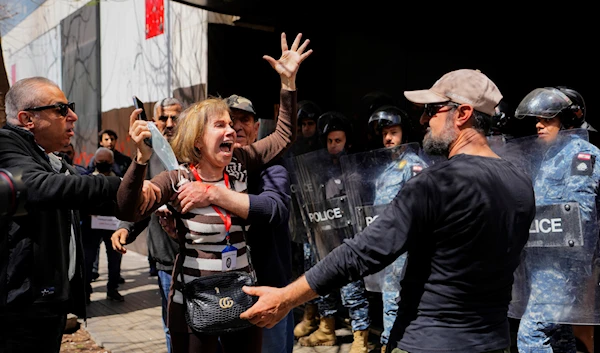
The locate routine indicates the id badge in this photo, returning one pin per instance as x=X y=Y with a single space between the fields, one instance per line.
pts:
x=229 y=257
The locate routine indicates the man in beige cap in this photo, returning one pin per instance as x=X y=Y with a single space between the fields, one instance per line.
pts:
x=463 y=223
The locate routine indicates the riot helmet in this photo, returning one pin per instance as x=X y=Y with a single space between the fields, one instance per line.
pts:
x=308 y=110
x=389 y=115
x=549 y=102
x=576 y=112
x=308 y=114
x=335 y=121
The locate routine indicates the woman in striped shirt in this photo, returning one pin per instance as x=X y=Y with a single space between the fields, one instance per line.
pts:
x=204 y=144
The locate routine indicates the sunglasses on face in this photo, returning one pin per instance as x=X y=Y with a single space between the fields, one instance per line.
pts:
x=63 y=108
x=165 y=118
x=432 y=108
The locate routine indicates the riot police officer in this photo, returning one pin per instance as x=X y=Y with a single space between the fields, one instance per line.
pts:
x=324 y=168
x=392 y=124
x=308 y=113
x=567 y=172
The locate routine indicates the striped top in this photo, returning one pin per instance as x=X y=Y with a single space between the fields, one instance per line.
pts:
x=202 y=236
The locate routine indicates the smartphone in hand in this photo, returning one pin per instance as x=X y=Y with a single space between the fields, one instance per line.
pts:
x=137 y=103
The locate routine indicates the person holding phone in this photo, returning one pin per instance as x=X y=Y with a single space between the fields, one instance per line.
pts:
x=204 y=144
x=162 y=249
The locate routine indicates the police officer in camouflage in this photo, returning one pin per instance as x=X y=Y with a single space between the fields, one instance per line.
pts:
x=393 y=125
x=336 y=130
x=567 y=173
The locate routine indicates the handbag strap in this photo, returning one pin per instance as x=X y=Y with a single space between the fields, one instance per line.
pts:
x=252 y=272
x=248 y=251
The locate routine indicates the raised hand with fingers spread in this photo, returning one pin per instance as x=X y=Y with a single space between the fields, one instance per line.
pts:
x=288 y=64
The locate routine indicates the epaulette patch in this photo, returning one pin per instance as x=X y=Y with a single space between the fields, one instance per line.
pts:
x=583 y=164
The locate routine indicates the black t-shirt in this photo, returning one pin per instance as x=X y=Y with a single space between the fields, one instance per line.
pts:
x=463 y=223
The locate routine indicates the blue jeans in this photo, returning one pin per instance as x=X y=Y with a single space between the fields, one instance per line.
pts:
x=280 y=338
x=164 y=284
x=390 y=291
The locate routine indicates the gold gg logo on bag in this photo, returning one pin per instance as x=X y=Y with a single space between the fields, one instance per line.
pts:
x=226 y=302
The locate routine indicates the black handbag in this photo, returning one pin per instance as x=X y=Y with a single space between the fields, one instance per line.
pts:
x=213 y=304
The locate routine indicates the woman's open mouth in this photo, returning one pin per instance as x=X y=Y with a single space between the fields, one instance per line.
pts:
x=226 y=146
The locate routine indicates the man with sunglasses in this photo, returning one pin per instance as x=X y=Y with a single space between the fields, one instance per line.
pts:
x=41 y=260
x=161 y=247
x=463 y=223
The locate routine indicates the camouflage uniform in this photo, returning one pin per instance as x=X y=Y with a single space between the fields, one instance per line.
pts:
x=387 y=187
x=566 y=174
x=353 y=297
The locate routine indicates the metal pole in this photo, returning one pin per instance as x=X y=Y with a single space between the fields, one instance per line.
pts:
x=168 y=29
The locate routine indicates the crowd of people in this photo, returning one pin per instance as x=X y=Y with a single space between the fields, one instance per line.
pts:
x=442 y=213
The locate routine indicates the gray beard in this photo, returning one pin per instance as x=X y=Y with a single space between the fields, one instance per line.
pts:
x=439 y=146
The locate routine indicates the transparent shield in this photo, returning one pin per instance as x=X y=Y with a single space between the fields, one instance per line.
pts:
x=373 y=179
x=324 y=202
x=557 y=279
x=297 y=224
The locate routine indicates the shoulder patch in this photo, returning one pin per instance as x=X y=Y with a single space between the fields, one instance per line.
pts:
x=416 y=170
x=583 y=164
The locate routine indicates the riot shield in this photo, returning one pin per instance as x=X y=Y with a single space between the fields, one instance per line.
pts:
x=557 y=279
x=297 y=224
x=373 y=179
x=325 y=204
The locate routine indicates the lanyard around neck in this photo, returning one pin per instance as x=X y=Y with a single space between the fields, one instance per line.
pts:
x=227 y=217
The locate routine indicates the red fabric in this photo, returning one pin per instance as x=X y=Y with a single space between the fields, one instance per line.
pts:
x=155 y=21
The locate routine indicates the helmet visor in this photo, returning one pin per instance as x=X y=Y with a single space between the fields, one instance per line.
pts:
x=542 y=102
x=306 y=114
x=381 y=119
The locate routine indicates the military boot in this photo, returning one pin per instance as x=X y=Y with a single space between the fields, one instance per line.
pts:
x=361 y=340
x=323 y=336
x=309 y=323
